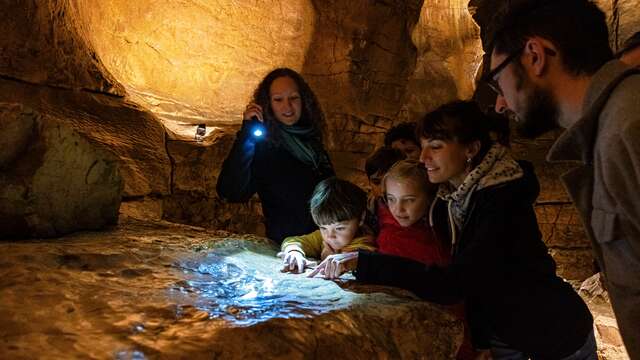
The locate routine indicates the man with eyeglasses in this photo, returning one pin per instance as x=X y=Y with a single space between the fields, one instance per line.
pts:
x=552 y=66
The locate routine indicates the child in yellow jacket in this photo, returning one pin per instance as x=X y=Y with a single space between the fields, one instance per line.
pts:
x=338 y=208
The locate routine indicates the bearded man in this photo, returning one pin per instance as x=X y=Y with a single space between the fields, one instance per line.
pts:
x=552 y=67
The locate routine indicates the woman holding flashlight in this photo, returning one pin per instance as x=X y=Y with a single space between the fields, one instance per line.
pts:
x=278 y=154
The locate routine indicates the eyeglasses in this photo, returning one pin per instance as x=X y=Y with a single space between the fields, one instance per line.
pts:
x=491 y=78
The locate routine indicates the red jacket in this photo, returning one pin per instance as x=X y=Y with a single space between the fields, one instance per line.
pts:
x=418 y=241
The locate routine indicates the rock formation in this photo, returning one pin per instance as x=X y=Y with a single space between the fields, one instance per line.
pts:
x=53 y=181
x=159 y=290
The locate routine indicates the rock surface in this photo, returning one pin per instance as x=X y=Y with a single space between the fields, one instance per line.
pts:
x=59 y=183
x=133 y=136
x=41 y=44
x=193 y=197
x=449 y=56
x=157 y=290
x=610 y=345
x=192 y=62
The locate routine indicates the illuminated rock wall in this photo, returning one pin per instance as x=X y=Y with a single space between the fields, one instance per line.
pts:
x=449 y=56
x=40 y=45
x=192 y=62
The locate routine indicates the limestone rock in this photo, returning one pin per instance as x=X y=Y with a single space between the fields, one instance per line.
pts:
x=193 y=197
x=449 y=56
x=160 y=290
x=608 y=339
x=132 y=135
x=40 y=44
x=196 y=61
x=17 y=126
x=59 y=184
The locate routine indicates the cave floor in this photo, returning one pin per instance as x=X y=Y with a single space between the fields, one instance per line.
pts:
x=161 y=290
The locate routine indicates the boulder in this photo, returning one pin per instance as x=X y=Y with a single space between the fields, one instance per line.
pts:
x=58 y=183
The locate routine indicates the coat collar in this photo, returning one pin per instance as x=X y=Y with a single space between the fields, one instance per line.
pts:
x=577 y=142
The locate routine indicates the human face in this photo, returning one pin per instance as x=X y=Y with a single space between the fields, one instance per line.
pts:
x=494 y=75
x=445 y=160
x=506 y=83
x=286 y=101
x=534 y=108
x=374 y=182
x=408 y=147
x=339 y=234
x=406 y=200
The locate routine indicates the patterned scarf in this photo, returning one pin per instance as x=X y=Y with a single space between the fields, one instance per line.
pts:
x=497 y=167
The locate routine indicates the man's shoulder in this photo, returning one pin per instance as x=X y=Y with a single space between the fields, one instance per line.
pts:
x=621 y=113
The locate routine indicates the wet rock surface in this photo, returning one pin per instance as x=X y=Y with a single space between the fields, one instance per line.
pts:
x=160 y=290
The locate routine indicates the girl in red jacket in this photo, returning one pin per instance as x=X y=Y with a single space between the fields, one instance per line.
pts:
x=403 y=226
x=404 y=229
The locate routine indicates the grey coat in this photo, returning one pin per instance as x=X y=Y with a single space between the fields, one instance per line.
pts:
x=605 y=187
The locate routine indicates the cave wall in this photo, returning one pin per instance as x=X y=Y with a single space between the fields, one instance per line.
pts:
x=192 y=62
x=40 y=45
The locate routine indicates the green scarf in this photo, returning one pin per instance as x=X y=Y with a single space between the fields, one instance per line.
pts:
x=304 y=143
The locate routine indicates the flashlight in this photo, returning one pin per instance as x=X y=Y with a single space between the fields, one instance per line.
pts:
x=257 y=127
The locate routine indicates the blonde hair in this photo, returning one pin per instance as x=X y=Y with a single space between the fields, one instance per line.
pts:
x=410 y=170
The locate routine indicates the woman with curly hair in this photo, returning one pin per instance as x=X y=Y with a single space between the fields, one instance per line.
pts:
x=285 y=162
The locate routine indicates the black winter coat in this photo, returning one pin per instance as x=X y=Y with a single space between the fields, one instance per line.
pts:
x=283 y=183
x=503 y=272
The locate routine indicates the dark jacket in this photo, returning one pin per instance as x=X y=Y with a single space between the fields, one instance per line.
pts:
x=503 y=272
x=283 y=183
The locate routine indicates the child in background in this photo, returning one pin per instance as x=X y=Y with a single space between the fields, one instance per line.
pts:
x=403 y=137
x=376 y=167
x=338 y=208
x=403 y=226
x=378 y=164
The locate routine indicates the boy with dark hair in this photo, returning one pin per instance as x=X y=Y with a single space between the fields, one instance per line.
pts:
x=403 y=138
x=338 y=208
x=551 y=66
